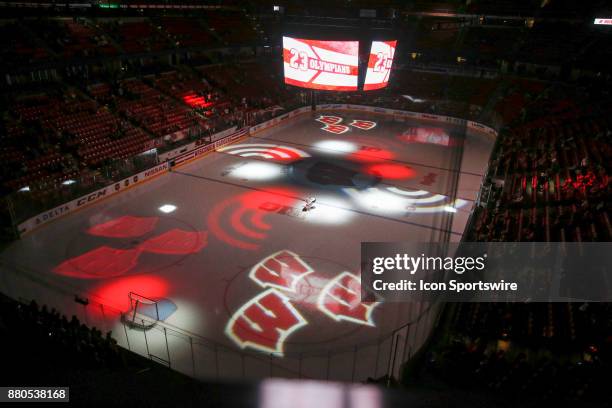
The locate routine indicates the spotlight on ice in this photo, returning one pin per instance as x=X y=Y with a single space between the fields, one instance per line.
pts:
x=257 y=170
x=379 y=200
x=167 y=208
x=336 y=146
x=329 y=210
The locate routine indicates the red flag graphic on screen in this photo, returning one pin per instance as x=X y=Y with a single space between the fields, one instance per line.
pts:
x=331 y=65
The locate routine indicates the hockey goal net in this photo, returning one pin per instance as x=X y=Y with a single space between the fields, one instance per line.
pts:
x=143 y=312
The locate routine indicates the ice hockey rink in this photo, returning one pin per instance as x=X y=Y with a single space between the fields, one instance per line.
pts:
x=244 y=282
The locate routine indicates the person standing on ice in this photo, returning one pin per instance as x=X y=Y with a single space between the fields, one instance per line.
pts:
x=309 y=203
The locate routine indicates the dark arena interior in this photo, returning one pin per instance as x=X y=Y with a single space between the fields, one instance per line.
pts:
x=330 y=204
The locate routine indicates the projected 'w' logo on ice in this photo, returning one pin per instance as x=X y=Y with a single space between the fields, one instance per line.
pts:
x=396 y=200
x=265 y=151
x=267 y=320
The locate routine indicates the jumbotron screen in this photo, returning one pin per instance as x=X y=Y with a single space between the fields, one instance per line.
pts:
x=379 y=64
x=315 y=64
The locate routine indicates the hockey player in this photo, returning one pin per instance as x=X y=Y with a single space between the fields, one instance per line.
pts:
x=309 y=204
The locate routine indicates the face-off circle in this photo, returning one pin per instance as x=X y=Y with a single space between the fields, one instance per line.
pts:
x=296 y=304
x=331 y=173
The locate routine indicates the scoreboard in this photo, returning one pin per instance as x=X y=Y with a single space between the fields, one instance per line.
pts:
x=334 y=65
x=314 y=64
x=379 y=64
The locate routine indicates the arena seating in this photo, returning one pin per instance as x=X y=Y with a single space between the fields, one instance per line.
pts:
x=136 y=35
x=549 y=173
x=568 y=40
x=187 y=32
x=549 y=182
x=49 y=334
x=510 y=349
x=79 y=130
x=83 y=129
x=429 y=40
x=232 y=27
x=42 y=162
x=16 y=47
x=155 y=112
x=58 y=351
x=194 y=92
x=71 y=38
x=137 y=85
x=488 y=45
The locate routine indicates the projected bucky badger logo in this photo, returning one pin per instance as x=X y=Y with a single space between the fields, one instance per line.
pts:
x=135 y=236
x=267 y=320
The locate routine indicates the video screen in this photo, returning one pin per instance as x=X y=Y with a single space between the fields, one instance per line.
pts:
x=603 y=21
x=379 y=64
x=315 y=64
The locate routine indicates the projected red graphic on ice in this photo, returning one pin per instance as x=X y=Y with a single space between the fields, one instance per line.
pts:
x=332 y=124
x=267 y=320
x=239 y=220
x=426 y=135
x=107 y=261
x=265 y=151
